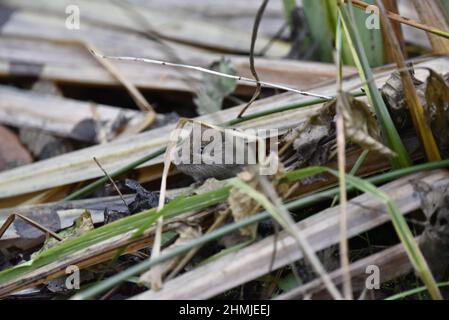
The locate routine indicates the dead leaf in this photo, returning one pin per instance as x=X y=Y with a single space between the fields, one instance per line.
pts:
x=361 y=126
x=314 y=144
x=437 y=97
x=393 y=93
x=242 y=205
x=186 y=233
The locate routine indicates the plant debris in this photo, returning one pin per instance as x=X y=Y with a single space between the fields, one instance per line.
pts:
x=434 y=96
x=437 y=97
x=435 y=238
x=200 y=197
x=143 y=200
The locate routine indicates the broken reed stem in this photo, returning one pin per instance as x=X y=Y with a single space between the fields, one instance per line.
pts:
x=432 y=12
x=251 y=56
x=204 y=70
x=341 y=159
x=138 y=98
x=135 y=94
x=392 y=6
x=156 y=271
x=344 y=251
x=403 y=20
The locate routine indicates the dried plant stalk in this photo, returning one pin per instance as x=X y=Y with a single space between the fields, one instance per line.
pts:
x=430 y=12
x=414 y=104
x=392 y=6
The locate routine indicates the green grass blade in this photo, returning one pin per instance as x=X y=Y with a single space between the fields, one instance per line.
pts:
x=412 y=292
x=445 y=5
x=402 y=230
x=220 y=195
x=321 y=29
x=372 y=39
x=296 y=204
x=282 y=216
x=138 y=222
x=289 y=6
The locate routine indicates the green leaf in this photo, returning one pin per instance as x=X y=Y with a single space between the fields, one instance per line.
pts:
x=289 y=6
x=289 y=282
x=445 y=5
x=214 y=89
x=321 y=16
x=321 y=26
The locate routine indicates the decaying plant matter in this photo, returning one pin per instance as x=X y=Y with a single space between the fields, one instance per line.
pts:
x=433 y=94
x=117 y=185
